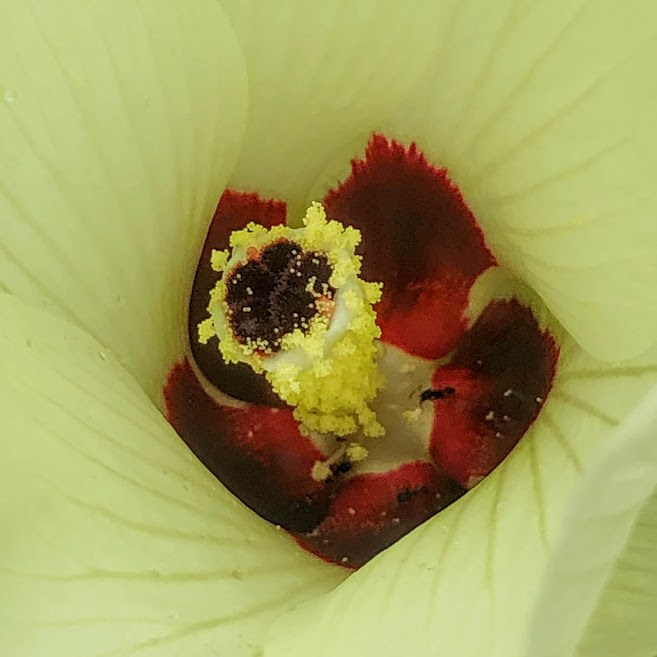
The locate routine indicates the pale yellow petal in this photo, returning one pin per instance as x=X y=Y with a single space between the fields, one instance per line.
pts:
x=624 y=618
x=600 y=587
x=465 y=582
x=322 y=77
x=115 y=540
x=120 y=122
x=543 y=112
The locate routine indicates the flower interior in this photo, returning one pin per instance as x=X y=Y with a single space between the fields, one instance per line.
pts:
x=290 y=304
x=357 y=375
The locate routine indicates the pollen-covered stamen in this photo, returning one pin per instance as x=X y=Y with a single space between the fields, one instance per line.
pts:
x=340 y=462
x=291 y=304
x=277 y=291
x=293 y=333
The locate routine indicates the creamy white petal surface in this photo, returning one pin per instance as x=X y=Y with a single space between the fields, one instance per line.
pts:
x=543 y=112
x=115 y=539
x=322 y=77
x=603 y=571
x=120 y=123
x=466 y=581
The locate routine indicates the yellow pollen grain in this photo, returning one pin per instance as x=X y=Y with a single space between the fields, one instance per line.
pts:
x=320 y=471
x=206 y=330
x=357 y=452
x=412 y=416
x=219 y=260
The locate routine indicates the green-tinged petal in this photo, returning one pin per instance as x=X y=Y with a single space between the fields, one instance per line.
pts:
x=465 y=582
x=115 y=540
x=605 y=560
x=120 y=122
x=544 y=114
x=322 y=77
x=623 y=622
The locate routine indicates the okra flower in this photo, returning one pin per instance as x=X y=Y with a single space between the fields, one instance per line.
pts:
x=124 y=122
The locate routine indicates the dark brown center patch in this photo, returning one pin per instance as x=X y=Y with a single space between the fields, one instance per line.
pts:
x=276 y=292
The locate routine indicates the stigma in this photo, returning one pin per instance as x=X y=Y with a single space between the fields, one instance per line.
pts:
x=290 y=304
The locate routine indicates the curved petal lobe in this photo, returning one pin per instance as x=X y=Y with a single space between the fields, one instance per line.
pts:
x=608 y=529
x=624 y=617
x=464 y=583
x=120 y=122
x=543 y=114
x=115 y=540
x=492 y=391
x=257 y=452
x=322 y=76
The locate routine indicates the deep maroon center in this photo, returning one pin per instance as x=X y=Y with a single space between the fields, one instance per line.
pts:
x=277 y=291
x=423 y=243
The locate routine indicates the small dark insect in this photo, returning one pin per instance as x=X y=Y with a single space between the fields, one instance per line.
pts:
x=441 y=393
x=407 y=494
x=343 y=467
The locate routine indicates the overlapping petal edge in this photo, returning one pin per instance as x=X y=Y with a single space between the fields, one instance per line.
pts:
x=116 y=540
x=618 y=374
x=470 y=577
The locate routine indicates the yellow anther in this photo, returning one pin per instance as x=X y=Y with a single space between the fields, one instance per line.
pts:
x=206 y=330
x=330 y=377
x=218 y=260
x=356 y=452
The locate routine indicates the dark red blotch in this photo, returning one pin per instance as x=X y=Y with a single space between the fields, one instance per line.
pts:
x=257 y=452
x=372 y=511
x=234 y=211
x=500 y=375
x=419 y=239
